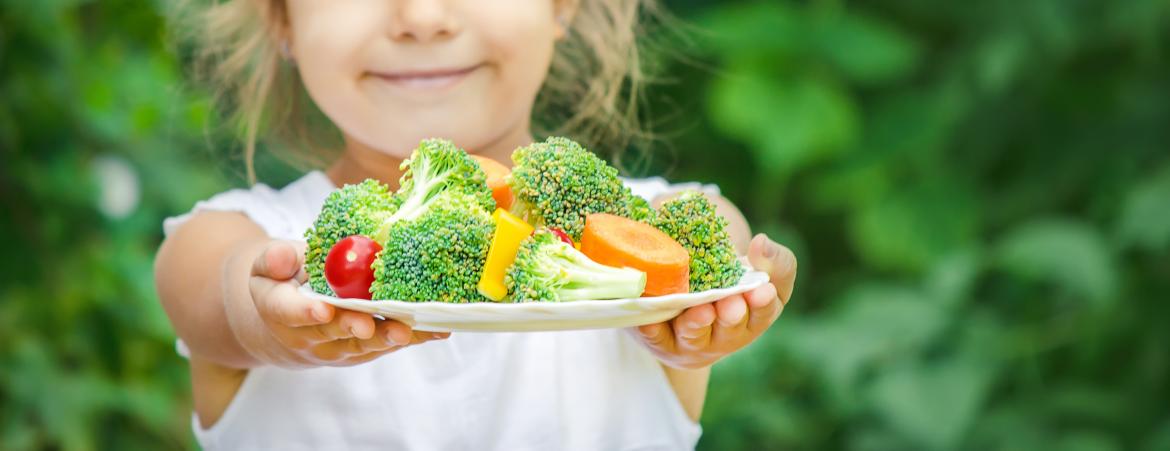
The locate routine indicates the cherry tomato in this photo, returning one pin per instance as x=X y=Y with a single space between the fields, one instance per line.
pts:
x=562 y=235
x=348 y=266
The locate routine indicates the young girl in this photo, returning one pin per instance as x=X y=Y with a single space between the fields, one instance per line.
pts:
x=271 y=369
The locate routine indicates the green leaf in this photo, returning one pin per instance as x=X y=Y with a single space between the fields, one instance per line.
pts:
x=951 y=280
x=771 y=28
x=1087 y=441
x=790 y=122
x=872 y=322
x=1145 y=214
x=1066 y=252
x=865 y=49
x=999 y=61
x=909 y=231
x=1159 y=439
x=932 y=404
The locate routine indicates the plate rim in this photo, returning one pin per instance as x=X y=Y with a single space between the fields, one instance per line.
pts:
x=750 y=280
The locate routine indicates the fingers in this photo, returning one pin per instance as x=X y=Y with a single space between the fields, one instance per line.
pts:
x=776 y=260
x=389 y=337
x=398 y=334
x=339 y=351
x=730 y=328
x=363 y=327
x=731 y=311
x=281 y=260
x=693 y=327
x=280 y=302
x=301 y=276
x=763 y=308
x=658 y=336
x=347 y=324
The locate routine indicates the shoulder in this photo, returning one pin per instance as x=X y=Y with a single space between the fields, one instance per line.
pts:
x=651 y=188
x=279 y=212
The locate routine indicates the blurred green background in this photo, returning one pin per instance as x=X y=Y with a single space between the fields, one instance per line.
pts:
x=979 y=193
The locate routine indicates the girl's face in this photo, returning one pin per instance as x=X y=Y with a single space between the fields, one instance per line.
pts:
x=390 y=73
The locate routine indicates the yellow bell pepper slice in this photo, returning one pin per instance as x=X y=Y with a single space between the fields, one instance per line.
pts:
x=510 y=231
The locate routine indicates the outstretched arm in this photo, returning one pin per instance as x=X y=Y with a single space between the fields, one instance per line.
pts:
x=698 y=337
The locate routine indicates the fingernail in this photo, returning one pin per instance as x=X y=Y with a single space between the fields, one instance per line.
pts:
x=770 y=248
x=390 y=339
x=320 y=314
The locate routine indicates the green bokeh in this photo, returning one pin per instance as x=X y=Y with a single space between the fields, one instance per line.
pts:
x=979 y=194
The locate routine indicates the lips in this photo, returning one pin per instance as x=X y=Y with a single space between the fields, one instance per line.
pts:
x=427 y=78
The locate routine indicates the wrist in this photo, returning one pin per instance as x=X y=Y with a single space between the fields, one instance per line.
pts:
x=686 y=364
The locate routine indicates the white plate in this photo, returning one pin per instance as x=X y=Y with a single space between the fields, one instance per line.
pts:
x=534 y=316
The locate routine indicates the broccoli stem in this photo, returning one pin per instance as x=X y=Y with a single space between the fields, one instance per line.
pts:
x=595 y=281
x=414 y=205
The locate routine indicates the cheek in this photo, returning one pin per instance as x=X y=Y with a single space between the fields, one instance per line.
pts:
x=523 y=46
x=527 y=64
x=328 y=41
x=333 y=32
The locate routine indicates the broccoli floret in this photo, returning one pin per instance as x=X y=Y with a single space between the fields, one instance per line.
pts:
x=438 y=255
x=557 y=183
x=548 y=269
x=638 y=208
x=352 y=210
x=436 y=167
x=692 y=221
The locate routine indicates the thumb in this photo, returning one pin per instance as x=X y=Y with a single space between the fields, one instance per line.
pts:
x=776 y=260
x=280 y=260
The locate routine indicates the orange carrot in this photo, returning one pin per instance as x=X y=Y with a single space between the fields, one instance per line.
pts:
x=617 y=241
x=495 y=180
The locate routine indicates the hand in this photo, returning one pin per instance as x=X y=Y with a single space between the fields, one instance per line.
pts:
x=703 y=334
x=303 y=332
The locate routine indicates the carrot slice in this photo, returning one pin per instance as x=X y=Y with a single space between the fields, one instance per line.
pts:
x=496 y=173
x=616 y=241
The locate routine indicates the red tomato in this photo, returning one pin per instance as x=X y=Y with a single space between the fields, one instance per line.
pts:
x=348 y=266
x=562 y=235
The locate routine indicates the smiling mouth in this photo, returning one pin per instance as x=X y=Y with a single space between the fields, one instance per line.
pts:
x=427 y=78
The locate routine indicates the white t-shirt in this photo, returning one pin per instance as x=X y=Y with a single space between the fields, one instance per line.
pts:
x=574 y=390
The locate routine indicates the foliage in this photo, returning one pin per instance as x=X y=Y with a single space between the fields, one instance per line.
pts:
x=99 y=143
x=978 y=196
x=979 y=193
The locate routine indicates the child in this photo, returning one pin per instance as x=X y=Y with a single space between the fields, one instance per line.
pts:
x=271 y=369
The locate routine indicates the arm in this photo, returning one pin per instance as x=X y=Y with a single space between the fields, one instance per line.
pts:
x=723 y=326
x=194 y=273
x=230 y=292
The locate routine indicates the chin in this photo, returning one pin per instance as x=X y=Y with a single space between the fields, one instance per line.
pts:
x=461 y=125
x=401 y=141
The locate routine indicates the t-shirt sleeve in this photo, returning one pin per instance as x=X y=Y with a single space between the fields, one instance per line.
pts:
x=652 y=187
x=260 y=204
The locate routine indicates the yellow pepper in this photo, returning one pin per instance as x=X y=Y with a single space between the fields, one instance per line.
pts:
x=510 y=231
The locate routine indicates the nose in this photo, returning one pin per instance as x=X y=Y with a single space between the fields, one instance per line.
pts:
x=423 y=21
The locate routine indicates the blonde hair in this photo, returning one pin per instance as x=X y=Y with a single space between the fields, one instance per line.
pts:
x=592 y=91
